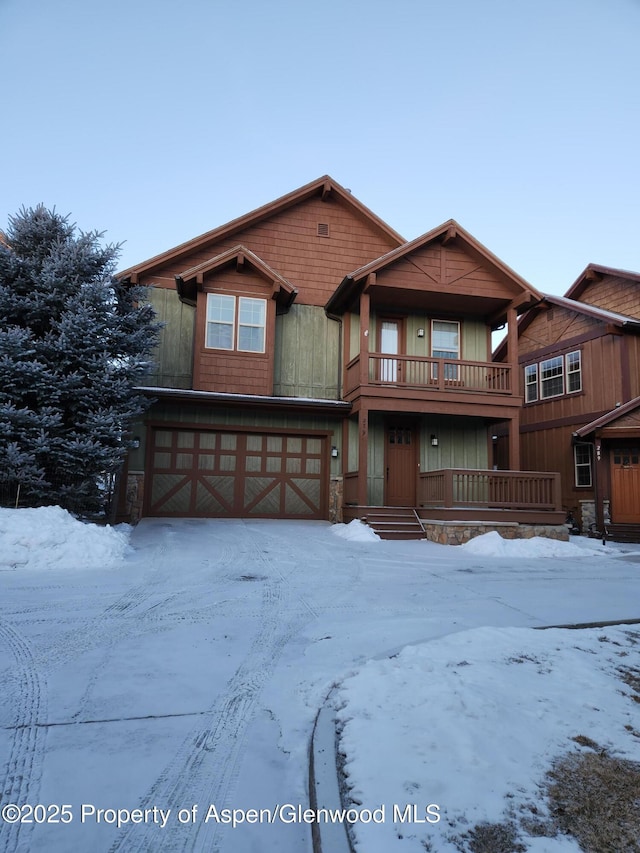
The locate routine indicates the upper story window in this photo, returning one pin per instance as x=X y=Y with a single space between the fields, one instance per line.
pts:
x=445 y=343
x=531 y=383
x=236 y=323
x=553 y=377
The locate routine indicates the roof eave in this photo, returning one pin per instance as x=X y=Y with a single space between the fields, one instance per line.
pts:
x=323 y=186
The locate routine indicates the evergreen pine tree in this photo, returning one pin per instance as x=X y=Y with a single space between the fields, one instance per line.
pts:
x=74 y=343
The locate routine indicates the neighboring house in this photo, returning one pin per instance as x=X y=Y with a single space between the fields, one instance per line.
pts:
x=579 y=358
x=316 y=365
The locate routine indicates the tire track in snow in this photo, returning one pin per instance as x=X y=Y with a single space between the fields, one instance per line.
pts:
x=24 y=769
x=206 y=767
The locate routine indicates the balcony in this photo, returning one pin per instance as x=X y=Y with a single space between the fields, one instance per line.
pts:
x=428 y=374
x=461 y=488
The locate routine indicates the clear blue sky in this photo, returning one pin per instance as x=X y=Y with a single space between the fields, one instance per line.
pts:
x=157 y=121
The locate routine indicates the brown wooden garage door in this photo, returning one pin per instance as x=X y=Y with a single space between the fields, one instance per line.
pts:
x=210 y=473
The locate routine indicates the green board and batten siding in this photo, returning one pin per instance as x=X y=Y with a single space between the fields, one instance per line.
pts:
x=307 y=360
x=461 y=444
x=173 y=358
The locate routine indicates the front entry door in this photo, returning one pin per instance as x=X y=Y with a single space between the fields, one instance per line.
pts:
x=401 y=464
x=625 y=485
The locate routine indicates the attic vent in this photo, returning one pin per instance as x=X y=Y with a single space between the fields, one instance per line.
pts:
x=323 y=229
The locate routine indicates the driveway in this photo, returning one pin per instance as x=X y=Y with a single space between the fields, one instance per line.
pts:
x=189 y=677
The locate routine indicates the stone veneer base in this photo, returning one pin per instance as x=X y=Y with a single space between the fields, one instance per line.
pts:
x=459 y=532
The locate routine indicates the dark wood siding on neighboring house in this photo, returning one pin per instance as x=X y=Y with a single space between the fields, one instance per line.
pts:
x=614 y=293
x=550 y=449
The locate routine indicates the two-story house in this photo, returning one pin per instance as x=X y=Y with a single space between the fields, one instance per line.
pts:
x=315 y=365
x=579 y=358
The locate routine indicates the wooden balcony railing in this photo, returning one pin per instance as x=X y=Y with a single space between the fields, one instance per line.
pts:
x=431 y=373
x=458 y=487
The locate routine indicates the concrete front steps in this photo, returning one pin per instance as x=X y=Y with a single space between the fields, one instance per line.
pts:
x=394 y=522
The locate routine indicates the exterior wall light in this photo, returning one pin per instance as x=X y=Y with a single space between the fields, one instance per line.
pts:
x=334 y=452
x=421 y=333
x=434 y=440
x=135 y=443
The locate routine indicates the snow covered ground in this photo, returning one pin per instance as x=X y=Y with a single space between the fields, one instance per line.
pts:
x=143 y=683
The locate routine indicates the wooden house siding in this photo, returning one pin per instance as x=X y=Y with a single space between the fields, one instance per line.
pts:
x=602 y=388
x=551 y=449
x=234 y=371
x=173 y=357
x=610 y=365
x=446 y=269
x=288 y=242
x=461 y=444
x=307 y=350
x=614 y=293
x=555 y=326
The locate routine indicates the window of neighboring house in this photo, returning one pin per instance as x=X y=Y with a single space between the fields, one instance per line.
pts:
x=582 y=461
x=531 y=383
x=574 y=372
x=236 y=322
x=553 y=377
x=445 y=343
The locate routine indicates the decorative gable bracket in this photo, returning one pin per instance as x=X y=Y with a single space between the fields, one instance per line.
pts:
x=191 y=281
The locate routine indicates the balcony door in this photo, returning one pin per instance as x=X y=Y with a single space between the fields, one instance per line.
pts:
x=401 y=463
x=390 y=341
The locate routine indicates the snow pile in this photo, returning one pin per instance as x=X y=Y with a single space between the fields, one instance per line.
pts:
x=493 y=545
x=472 y=723
x=355 y=531
x=50 y=538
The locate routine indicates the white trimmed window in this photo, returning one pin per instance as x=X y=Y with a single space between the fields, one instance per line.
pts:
x=574 y=372
x=236 y=323
x=582 y=463
x=553 y=377
x=531 y=383
x=445 y=343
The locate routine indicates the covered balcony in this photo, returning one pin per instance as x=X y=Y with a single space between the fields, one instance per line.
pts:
x=426 y=374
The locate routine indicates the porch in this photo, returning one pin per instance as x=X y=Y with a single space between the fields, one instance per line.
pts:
x=455 y=504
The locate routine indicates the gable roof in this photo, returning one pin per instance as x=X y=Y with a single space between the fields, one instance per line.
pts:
x=608 y=418
x=190 y=281
x=447 y=232
x=609 y=317
x=323 y=187
x=595 y=272
x=593 y=311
